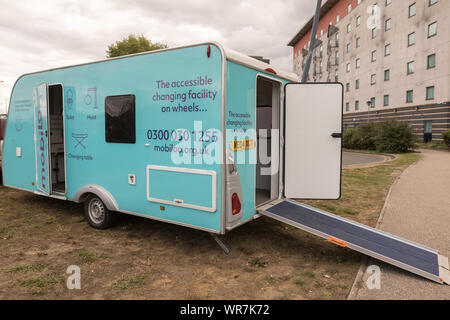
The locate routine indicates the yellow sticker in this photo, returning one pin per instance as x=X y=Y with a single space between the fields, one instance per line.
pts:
x=245 y=144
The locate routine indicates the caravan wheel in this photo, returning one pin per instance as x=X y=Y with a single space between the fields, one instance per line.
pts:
x=97 y=214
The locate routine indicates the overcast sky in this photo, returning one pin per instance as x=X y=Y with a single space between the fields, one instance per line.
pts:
x=37 y=35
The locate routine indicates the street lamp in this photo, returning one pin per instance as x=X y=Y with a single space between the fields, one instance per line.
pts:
x=369 y=104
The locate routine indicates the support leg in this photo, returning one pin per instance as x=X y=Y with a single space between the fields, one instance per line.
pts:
x=220 y=243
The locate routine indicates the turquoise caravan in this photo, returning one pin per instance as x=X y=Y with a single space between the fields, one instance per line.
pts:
x=199 y=136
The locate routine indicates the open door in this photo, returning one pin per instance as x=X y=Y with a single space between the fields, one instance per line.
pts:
x=313 y=140
x=40 y=104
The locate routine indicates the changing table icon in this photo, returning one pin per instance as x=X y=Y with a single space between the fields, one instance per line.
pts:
x=79 y=139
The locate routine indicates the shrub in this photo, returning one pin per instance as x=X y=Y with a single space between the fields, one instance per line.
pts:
x=349 y=140
x=394 y=136
x=367 y=135
x=446 y=137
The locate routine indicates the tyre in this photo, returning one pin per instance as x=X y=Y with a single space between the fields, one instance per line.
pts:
x=97 y=214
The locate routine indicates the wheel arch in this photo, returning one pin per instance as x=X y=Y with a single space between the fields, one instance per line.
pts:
x=100 y=192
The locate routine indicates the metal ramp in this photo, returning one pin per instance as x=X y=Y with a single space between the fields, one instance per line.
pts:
x=426 y=262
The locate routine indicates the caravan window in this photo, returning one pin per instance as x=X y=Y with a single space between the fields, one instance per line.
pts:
x=120 y=119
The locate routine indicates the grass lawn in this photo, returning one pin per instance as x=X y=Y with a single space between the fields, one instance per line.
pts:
x=433 y=146
x=364 y=190
x=146 y=259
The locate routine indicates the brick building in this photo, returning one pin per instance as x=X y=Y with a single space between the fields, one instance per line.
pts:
x=397 y=68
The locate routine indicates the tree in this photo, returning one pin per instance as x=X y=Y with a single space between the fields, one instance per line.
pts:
x=132 y=44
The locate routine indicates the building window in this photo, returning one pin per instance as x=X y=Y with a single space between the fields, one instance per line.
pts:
x=410 y=67
x=120 y=119
x=374 y=33
x=373 y=79
x=432 y=29
x=347 y=87
x=347 y=106
x=431 y=2
x=357 y=84
x=349 y=28
x=388 y=2
x=412 y=10
x=348 y=47
x=411 y=39
x=348 y=67
x=372 y=102
x=430 y=93
x=356 y=105
x=387 y=49
x=387 y=75
x=374 y=56
x=349 y=8
x=386 y=100
x=337 y=19
x=387 y=25
x=358 y=42
x=431 y=61
x=359 y=2
x=358 y=21
x=409 y=96
x=358 y=63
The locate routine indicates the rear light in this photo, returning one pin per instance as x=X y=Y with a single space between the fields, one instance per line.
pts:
x=235 y=204
x=208 y=51
x=271 y=70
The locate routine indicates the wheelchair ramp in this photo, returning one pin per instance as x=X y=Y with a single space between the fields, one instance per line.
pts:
x=426 y=262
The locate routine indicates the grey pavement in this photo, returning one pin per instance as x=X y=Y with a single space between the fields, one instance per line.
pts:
x=418 y=209
x=353 y=158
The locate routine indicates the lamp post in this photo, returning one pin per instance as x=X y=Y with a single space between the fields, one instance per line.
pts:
x=369 y=104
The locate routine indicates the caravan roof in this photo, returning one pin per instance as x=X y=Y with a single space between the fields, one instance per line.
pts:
x=228 y=54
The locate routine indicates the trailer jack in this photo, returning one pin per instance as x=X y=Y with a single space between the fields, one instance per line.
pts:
x=220 y=243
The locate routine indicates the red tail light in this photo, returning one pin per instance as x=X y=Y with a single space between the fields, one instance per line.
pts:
x=208 y=51
x=235 y=204
x=271 y=70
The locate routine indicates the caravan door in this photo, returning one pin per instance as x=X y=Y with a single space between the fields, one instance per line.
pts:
x=41 y=138
x=313 y=140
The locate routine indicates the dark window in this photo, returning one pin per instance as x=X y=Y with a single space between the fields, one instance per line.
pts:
x=432 y=29
x=430 y=93
x=431 y=61
x=412 y=10
x=120 y=119
x=386 y=100
x=409 y=96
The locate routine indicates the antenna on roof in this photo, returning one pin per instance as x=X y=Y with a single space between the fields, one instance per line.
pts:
x=312 y=41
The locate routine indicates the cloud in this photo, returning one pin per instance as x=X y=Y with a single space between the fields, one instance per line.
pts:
x=37 y=35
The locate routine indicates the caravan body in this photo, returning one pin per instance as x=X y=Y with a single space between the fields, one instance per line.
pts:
x=156 y=134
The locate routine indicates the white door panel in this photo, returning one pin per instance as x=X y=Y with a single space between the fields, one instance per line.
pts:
x=312 y=155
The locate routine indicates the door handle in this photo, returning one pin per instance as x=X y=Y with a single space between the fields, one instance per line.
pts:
x=336 y=135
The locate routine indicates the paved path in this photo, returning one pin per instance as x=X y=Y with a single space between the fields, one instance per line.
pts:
x=353 y=158
x=417 y=209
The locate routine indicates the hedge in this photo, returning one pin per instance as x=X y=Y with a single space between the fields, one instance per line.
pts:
x=387 y=136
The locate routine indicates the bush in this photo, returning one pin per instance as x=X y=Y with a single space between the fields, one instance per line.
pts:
x=394 y=136
x=367 y=135
x=349 y=140
x=446 y=137
x=388 y=136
